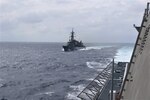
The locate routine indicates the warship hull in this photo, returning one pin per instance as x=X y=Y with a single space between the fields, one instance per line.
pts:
x=67 y=49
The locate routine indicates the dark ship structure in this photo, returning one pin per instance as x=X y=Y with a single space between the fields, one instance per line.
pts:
x=73 y=44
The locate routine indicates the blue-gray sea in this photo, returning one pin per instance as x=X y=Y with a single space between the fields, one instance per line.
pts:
x=42 y=71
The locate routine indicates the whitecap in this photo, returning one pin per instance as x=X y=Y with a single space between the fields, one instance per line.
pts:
x=47 y=93
x=96 y=65
x=1 y=82
x=90 y=79
x=73 y=95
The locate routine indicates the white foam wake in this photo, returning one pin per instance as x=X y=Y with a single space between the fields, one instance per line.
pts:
x=124 y=54
x=73 y=95
x=97 y=65
x=95 y=47
x=94 y=65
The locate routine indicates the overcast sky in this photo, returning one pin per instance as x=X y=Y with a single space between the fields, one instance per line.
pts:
x=52 y=20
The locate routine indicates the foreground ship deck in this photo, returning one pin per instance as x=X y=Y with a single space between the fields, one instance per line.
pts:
x=136 y=80
x=136 y=85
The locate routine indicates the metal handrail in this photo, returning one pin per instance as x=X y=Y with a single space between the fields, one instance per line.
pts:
x=94 y=89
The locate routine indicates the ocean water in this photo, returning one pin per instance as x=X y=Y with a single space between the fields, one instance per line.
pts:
x=42 y=71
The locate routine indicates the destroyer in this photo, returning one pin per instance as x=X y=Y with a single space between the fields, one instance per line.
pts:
x=73 y=44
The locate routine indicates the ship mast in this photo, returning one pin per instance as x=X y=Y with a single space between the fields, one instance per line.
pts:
x=72 y=35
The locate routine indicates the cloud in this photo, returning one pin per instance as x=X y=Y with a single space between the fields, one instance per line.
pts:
x=52 y=20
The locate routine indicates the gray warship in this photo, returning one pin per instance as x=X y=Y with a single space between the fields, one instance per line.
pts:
x=73 y=44
x=125 y=80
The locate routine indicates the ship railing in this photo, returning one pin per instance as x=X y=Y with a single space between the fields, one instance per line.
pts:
x=95 y=88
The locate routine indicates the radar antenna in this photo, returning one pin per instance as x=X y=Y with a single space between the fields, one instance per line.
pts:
x=72 y=35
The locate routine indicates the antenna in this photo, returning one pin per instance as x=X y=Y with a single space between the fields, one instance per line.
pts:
x=72 y=35
x=72 y=29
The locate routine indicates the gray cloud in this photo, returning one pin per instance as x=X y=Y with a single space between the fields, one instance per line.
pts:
x=32 y=18
x=52 y=20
